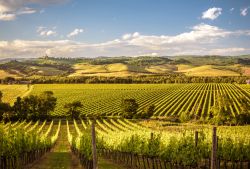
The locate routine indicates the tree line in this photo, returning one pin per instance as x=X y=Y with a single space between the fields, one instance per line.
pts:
x=147 y=79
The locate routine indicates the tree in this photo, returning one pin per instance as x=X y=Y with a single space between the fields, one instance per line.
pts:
x=31 y=107
x=129 y=108
x=47 y=104
x=18 y=109
x=35 y=106
x=73 y=109
x=4 y=107
x=148 y=111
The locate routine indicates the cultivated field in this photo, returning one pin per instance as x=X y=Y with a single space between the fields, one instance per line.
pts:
x=125 y=142
x=105 y=99
x=169 y=99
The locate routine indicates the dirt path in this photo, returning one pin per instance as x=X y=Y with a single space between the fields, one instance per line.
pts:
x=60 y=156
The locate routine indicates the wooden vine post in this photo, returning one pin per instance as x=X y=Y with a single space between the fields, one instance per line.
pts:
x=214 y=149
x=94 y=145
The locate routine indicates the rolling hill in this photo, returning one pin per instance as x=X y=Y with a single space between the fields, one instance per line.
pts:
x=126 y=66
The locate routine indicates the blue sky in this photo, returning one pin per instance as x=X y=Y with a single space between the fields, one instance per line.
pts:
x=90 y=28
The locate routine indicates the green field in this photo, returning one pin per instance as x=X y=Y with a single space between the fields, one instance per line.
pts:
x=210 y=70
x=105 y=99
x=169 y=99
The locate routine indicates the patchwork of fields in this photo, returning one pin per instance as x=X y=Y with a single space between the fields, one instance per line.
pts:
x=105 y=99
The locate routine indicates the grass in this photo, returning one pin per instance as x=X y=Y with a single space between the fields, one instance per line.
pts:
x=182 y=67
x=104 y=164
x=210 y=70
x=165 y=68
x=116 y=69
x=11 y=92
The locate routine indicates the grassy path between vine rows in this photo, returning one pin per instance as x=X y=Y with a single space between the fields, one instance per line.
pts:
x=61 y=157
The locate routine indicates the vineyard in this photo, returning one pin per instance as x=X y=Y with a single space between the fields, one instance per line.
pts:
x=141 y=144
x=22 y=143
x=125 y=142
x=169 y=99
x=138 y=146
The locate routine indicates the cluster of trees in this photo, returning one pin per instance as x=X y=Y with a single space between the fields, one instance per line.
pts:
x=73 y=109
x=32 y=107
x=129 y=109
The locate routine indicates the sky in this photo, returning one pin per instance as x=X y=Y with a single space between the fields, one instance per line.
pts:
x=92 y=28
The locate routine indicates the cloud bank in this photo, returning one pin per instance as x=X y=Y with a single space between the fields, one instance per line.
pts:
x=202 y=39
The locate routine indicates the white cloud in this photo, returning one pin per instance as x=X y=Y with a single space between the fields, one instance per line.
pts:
x=202 y=39
x=10 y=9
x=48 y=33
x=244 y=11
x=136 y=34
x=126 y=36
x=212 y=13
x=129 y=35
x=232 y=9
x=45 y=32
x=75 y=32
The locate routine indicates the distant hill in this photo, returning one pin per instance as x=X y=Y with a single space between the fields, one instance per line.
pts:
x=126 y=66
